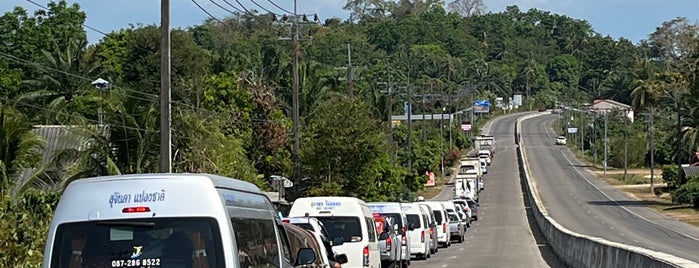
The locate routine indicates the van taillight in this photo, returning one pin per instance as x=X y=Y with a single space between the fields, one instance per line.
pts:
x=135 y=209
x=286 y=221
x=444 y=227
x=365 y=253
x=422 y=236
x=389 y=241
x=404 y=240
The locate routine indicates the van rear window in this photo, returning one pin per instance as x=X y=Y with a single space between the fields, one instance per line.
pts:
x=163 y=242
x=414 y=219
x=397 y=219
x=438 y=216
x=349 y=228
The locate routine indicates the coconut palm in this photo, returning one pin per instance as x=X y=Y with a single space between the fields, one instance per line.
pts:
x=20 y=150
x=64 y=76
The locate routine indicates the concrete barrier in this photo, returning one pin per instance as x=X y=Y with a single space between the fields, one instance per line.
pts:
x=578 y=250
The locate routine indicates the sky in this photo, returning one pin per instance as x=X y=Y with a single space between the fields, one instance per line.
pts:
x=631 y=19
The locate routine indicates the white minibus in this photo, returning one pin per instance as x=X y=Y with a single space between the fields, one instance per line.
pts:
x=346 y=217
x=167 y=220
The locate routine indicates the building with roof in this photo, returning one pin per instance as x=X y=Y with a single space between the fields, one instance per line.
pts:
x=603 y=106
x=63 y=137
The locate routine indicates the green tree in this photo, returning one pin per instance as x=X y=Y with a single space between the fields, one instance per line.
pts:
x=20 y=149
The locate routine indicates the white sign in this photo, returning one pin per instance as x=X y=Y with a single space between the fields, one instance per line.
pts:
x=572 y=130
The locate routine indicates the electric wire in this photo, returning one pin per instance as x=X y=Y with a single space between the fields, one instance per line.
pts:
x=279 y=7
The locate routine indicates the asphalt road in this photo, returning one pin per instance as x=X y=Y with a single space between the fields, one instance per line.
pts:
x=502 y=236
x=581 y=202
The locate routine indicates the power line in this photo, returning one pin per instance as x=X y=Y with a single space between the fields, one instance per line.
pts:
x=6 y=100
x=263 y=8
x=85 y=25
x=241 y=5
x=39 y=66
x=277 y=6
x=207 y=12
x=221 y=7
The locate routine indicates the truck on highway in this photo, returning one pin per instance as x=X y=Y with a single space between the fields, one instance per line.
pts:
x=467 y=180
x=485 y=142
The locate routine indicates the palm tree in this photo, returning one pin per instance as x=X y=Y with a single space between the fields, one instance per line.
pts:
x=20 y=149
x=65 y=77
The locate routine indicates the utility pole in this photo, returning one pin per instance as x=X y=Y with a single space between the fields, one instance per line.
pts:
x=295 y=53
x=651 y=130
x=605 y=141
x=349 y=71
x=410 y=144
x=626 y=144
x=165 y=84
x=582 y=134
x=389 y=108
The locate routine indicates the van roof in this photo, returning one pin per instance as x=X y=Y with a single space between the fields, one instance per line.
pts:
x=411 y=208
x=329 y=205
x=216 y=180
x=385 y=207
x=163 y=194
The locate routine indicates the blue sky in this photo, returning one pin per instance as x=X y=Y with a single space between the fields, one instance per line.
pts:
x=631 y=19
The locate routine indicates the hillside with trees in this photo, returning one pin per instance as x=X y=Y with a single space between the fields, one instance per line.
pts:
x=232 y=100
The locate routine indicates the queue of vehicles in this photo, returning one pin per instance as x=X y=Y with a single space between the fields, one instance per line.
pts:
x=203 y=220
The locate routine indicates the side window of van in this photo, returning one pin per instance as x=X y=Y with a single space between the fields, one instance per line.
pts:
x=284 y=240
x=372 y=229
x=257 y=242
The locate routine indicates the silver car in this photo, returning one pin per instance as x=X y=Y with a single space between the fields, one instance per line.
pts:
x=457 y=228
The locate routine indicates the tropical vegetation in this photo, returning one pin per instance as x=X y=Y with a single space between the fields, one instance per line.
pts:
x=232 y=103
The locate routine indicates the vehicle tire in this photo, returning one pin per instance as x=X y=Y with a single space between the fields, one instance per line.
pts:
x=461 y=238
x=422 y=256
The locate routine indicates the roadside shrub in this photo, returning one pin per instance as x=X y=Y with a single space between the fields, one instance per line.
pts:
x=451 y=158
x=671 y=176
x=24 y=224
x=687 y=193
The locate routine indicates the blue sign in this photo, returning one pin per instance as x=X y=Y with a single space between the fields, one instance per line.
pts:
x=481 y=106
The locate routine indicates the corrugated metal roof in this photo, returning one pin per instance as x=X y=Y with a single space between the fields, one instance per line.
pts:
x=62 y=137
x=690 y=171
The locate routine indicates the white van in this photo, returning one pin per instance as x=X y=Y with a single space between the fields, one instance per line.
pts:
x=346 y=217
x=420 y=235
x=440 y=214
x=393 y=209
x=432 y=226
x=167 y=220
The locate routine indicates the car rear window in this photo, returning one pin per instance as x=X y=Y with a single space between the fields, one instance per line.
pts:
x=163 y=242
x=414 y=219
x=453 y=217
x=349 y=228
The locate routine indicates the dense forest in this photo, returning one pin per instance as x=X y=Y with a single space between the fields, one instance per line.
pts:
x=232 y=81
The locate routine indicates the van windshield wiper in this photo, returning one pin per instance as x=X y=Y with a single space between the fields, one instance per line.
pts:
x=127 y=223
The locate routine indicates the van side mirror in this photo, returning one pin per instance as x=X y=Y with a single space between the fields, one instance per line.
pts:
x=341 y=258
x=305 y=256
x=338 y=241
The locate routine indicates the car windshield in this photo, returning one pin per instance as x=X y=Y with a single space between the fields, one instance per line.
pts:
x=164 y=242
x=349 y=228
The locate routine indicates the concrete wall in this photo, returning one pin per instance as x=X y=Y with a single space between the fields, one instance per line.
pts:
x=578 y=250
